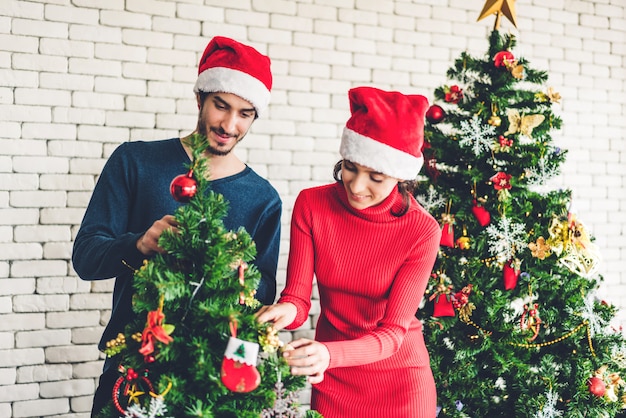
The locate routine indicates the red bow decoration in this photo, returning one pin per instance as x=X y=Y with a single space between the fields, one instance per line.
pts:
x=154 y=330
x=501 y=180
x=453 y=94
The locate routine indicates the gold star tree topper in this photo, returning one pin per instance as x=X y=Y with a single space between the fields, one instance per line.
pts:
x=499 y=8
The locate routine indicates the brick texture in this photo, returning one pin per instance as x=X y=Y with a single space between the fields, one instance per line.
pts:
x=78 y=78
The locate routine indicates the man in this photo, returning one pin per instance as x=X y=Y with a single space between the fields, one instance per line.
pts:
x=131 y=204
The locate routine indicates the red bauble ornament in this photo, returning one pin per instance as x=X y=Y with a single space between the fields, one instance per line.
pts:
x=596 y=386
x=511 y=273
x=482 y=215
x=435 y=114
x=184 y=187
x=461 y=298
x=501 y=57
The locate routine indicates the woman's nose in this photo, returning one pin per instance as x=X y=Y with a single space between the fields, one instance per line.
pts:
x=358 y=183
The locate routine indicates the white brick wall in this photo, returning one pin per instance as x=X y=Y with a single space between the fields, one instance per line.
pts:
x=79 y=77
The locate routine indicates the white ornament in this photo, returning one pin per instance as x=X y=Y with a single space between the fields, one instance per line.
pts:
x=477 y=135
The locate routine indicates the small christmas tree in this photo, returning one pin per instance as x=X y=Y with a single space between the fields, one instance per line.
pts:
x=192 y=349
x=511 y=319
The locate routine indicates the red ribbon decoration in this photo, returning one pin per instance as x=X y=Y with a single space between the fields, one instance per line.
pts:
x=154 y=329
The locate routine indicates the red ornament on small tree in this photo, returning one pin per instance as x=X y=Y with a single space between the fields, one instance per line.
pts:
x=184 y=187
x=239 y=372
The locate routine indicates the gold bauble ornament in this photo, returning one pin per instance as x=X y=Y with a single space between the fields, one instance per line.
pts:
x=494 y=120
x=463 y=243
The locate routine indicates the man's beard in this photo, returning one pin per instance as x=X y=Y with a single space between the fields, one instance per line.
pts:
x=210 y=148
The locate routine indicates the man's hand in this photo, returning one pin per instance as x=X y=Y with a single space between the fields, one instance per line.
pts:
x=148 y=243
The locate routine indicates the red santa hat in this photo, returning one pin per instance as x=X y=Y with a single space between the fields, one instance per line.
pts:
x=228 y=66
x=385 y=131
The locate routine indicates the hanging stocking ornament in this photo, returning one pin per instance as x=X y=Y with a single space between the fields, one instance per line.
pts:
x=511 y=272
x=447 y=228
x=239 y=372
x=442 y=298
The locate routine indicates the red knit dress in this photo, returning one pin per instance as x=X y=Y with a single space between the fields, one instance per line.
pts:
x=372 y=269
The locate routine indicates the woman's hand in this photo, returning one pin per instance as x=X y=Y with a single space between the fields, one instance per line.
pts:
x=307 y=358
x=281 y=314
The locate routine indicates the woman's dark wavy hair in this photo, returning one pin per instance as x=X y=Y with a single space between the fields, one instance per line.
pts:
x=405 y=188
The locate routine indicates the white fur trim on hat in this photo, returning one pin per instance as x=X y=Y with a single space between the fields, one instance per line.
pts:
x=366 y=151
x=228 y=80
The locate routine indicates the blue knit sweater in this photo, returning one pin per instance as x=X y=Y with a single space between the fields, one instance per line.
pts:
x=133 y=191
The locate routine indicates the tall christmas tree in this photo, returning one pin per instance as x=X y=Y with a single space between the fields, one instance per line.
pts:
x=195 y=348
x=511 y=317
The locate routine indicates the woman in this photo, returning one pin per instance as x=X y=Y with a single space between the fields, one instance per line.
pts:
x=371 y=247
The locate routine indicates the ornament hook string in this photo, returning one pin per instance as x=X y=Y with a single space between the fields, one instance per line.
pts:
x=193 y=296
x=233 y=326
